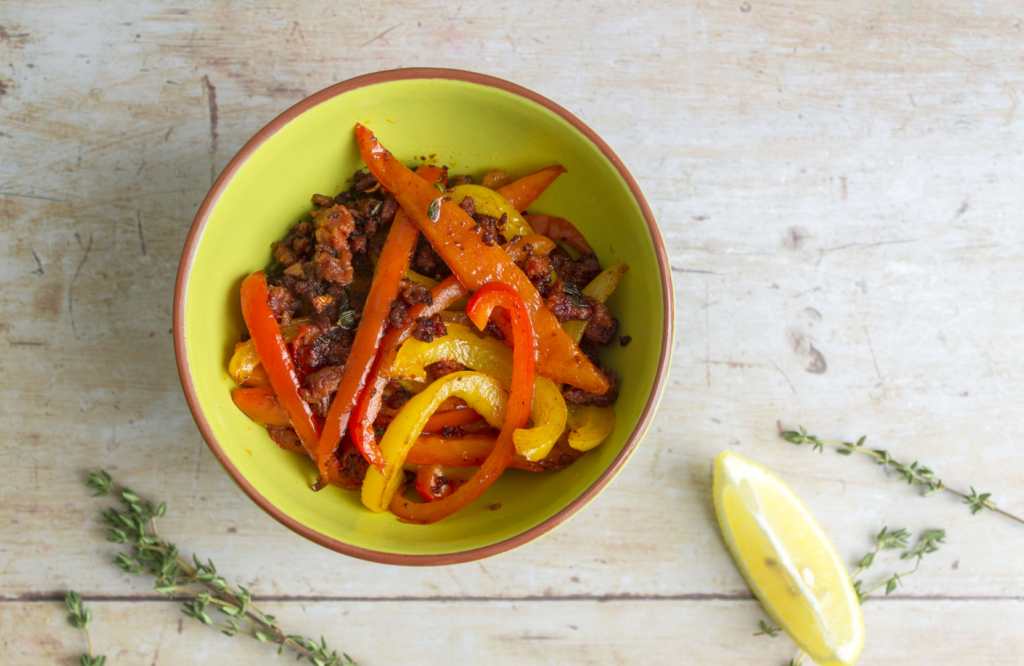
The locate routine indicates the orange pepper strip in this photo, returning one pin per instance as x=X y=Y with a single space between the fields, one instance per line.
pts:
x=525 y=191
x=452 y=418
x=472 y=449
x=261 y=405
x=391 y=268
x=444 y=294
x=432 y=174
x=561 y=229
x=456 y=237
x=276 y=360
x=517 y=414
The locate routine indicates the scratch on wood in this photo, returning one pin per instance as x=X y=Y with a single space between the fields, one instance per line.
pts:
x=873 y=359
x=211 y=98
x=784 y=376
x=864 y=246
x=71 y=287
x=380 y=36
x=142 y=239
x=842 y=186
x=38 y=271
x=27 y=343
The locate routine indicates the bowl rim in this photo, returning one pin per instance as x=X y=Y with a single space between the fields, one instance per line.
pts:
x=191 y=247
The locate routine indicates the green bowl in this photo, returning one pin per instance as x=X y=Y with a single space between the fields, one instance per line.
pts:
x=472 y=123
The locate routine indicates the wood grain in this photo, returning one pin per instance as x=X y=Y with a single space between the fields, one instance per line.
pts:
x=839 y=187
x=505 y=632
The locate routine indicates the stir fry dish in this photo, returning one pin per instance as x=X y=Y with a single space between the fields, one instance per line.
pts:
x=421 y=331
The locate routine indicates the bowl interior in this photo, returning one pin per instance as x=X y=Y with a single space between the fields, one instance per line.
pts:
x=471 y=128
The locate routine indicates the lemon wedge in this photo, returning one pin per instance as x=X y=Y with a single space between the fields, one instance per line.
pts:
x=788 y=561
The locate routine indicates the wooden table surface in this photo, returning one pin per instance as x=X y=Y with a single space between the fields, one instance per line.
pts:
x=840 y=187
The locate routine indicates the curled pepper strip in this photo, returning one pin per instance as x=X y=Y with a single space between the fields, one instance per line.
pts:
x=482 y=392
x=277 y=362
x=589 y=425
x=456 y=237
x=517 y=414
x=394 y=262
x=490 y=356
x=525 y=191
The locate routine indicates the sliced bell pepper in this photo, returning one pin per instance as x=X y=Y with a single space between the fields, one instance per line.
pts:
x=432 y=173
x=244 y=366
x=600 y=288
x=482 y=392
x=472 y=449
x=452 y=418
x=362 y=430
x=276 y=360
x=261 y=405
x=540 y=244
x=394 y=262
x=525 y=191
x=589 y=425
x=560 y=229
x=491 y=203
x=432 y=484
x=491 y=356
x=516 y=416
x=452 y=234
x=495 y=179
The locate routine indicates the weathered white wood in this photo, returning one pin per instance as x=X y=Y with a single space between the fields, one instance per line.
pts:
x=503 y=632
x=845 y=176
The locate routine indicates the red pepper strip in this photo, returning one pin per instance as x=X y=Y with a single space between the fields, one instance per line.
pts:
x=517 y=415
x=471 y=450
x=431 y=483
x=560 y=229
x=432 y=174
x=444 y=294
x=277 y=361
x=453 y=418
x=456 y=237
x=261 y=405
x=525 y=191
x=391 y=268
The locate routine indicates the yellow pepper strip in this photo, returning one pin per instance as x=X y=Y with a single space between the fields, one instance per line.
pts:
x=589 y=425
x=429 y=283
x=600 y=288
x=482 y=392
x=491 y=203
x=548 y=415
x=245 y=366
x=490 y=356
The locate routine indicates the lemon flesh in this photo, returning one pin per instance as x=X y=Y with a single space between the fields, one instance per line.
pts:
x=788 y=561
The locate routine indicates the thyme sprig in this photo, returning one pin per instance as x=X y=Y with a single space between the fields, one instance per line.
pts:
x=80 y=617
x=913 y=474
x=897 y=540
x=199 y=584
x=769 y=630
